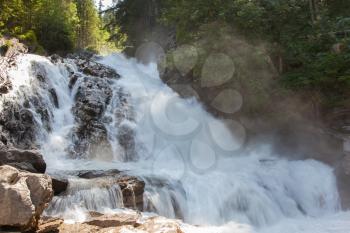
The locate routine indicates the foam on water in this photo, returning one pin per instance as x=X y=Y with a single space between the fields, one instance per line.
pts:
x=190 y=161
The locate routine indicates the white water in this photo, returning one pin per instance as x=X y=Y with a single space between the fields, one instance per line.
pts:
x=188 y=160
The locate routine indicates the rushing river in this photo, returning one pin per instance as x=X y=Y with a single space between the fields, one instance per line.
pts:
x=194 y=167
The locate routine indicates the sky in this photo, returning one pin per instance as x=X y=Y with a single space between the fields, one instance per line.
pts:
x=106 y=3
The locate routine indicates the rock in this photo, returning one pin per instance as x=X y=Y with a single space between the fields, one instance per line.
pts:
x=24 y=196
x=55 y=58
x=113 y=223
x=126 y=139
x=54 y=97
x=83 y=55
x=73 y=79
x=49 y=225
x=95 y=69
x=3 y=142
x=59 y=185
x=91 y=174
x=28 y=160
x=19 y=118
x=18 y=122
x=86 y=63
x=114 y=220
x=132 y=188
x=92 y=97
x=5 y=85
x=91 y=141
x=160 y=225
x=9 y=50
x=91 y=138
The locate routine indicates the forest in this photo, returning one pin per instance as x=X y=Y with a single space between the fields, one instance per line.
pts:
x=308 y=38
x=54 y=26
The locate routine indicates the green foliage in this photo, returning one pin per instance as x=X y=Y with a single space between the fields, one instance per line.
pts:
x=12 y=16
x=55 y=25
x=30 y=39
x=130 y=21
x=58 y=26
x=301 y=33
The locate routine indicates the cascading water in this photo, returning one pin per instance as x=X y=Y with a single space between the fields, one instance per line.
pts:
x=189 y=160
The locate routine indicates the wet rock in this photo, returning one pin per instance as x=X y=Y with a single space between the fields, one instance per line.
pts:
x=91 y=174
x=90 y=135
x=83 y=55
x=91 y=141
x=3 y=141
x=24 y=196
x=132 y=188
x=9 y=50
x=126 y=138
x=92 y=97
x=59 y=185
x=73 y=79
x=54 y=97
x=5 y=85
x=27 y=160
x=55 y=58
x=18 y=119
x=88 y=65
x=19 y=126
x=97 y=70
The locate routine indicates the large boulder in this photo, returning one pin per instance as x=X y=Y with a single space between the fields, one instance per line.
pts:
x=24 y=196
x=28 y=160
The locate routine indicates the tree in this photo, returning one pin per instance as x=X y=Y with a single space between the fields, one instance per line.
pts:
x=55 y=25
x=89 y=24
x=11 y=17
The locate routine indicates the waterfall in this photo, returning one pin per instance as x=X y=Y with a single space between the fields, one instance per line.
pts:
x=194 y=168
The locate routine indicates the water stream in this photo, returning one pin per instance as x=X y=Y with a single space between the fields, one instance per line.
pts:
x=193 y=165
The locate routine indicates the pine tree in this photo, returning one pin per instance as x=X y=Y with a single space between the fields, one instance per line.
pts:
x=89 y=24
